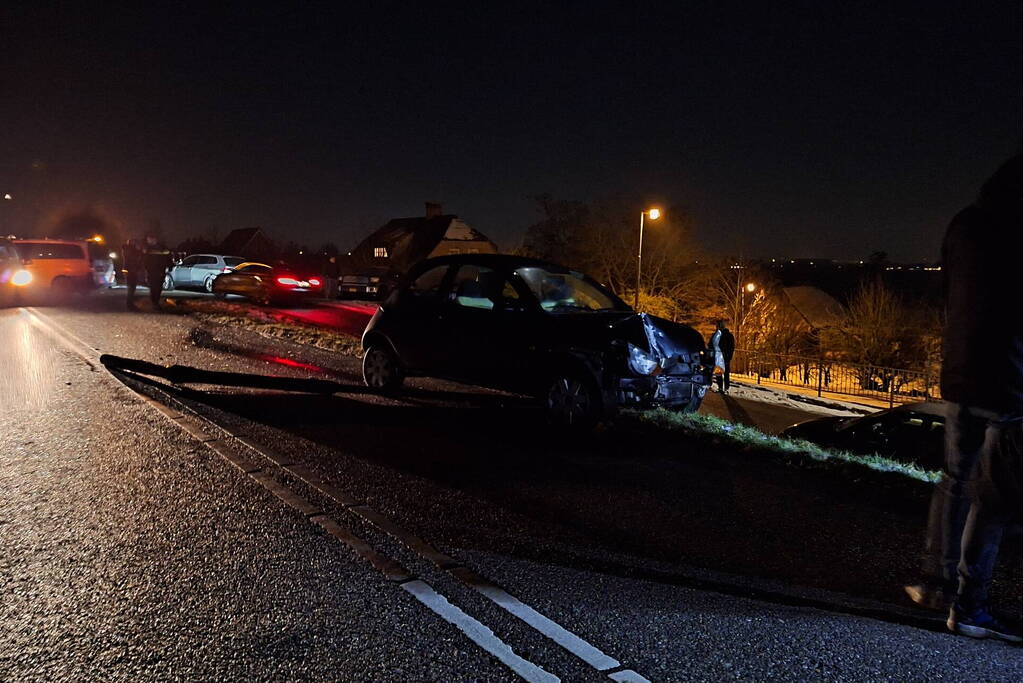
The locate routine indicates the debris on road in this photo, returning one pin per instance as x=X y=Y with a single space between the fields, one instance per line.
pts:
x=182 y=374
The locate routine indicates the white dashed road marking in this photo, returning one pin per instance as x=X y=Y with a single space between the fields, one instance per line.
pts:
x=477 y=632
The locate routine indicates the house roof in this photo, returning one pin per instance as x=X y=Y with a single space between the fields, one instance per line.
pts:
x=817 y=307
x=237 y=240
x=410 y=240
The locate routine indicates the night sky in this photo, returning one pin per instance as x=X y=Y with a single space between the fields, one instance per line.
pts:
x=825 y=130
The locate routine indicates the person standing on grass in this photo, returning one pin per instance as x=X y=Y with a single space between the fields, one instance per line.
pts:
x=982 y=381
x=722 y=343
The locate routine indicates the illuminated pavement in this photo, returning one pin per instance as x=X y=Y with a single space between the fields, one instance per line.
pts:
x=133 y=551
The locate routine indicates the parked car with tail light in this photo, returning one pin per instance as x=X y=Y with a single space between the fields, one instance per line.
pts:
x=536 y=328
x=104 y=273
x=198 y=271
x=267 y=285
x=57 y=266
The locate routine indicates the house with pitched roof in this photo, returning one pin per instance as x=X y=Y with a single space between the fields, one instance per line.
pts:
x=402 y=242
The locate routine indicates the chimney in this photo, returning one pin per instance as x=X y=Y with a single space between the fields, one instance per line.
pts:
x=433 y=209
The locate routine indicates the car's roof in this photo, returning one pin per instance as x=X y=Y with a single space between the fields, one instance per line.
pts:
x=216 y=256
x=47 y=240
x=936 y=408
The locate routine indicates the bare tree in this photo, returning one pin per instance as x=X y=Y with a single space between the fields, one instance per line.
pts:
x=601 y=239
x=880 y=333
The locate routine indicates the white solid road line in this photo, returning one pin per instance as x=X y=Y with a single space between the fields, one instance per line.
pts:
x=477 y=632
x=628 y=676
x=473 y=629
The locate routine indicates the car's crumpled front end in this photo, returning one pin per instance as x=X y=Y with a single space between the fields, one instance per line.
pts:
x=665 y=364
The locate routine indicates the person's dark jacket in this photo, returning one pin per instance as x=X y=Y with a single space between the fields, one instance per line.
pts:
x=727 y=344
x=983 y=340
x=131 y=256
x=156 y=258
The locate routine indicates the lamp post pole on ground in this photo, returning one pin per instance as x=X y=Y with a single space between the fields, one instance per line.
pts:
x=654 y=215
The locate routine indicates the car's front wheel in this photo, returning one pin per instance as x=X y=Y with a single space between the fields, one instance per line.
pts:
x=573 y=401
x=381 y=370
x=168 y=283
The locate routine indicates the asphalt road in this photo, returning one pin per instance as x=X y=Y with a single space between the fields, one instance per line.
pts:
x=134 y=551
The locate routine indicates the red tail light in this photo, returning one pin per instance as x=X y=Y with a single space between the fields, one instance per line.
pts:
x=314 y=282
x=287 y=281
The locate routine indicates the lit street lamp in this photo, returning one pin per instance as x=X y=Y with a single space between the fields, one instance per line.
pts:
x=748 y=287
x=654 y=215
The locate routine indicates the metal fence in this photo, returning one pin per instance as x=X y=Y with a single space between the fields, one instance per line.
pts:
x=836 y=377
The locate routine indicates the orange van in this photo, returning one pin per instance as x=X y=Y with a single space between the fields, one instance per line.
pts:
x=60 y=265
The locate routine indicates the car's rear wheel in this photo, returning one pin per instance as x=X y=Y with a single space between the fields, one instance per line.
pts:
x=381 y=370
x=208 y=284
x=573 y=401
x=168 y=283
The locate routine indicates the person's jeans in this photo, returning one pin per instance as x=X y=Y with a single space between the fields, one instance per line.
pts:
x=155 y=279
x=995 y=494
x=724 y=380
x=950 y=502
x=132 y=280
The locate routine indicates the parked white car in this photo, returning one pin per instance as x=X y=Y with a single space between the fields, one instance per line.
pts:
x=199 y=270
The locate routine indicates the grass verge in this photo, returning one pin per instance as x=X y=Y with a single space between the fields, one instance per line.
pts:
x=793 y=452
x=270 y=323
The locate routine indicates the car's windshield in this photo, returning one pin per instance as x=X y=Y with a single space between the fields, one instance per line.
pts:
x=566 y=292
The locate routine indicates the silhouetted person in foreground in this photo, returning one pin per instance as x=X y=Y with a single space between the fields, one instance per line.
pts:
x=722 y=343
x=982 y=379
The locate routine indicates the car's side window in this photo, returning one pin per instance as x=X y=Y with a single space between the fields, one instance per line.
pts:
x=473 y=287
x=482 y=287
x=190 y=261
x=207 y=261
x=427 y=285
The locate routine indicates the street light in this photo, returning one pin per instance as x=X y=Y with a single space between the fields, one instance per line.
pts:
x=654 y=214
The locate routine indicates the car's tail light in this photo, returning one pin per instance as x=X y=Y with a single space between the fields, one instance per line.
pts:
x=315 y=282
x=226 y=269
x=21 y=278
x=287 y=281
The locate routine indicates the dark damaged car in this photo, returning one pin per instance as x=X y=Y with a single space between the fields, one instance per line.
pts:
x=532 y=327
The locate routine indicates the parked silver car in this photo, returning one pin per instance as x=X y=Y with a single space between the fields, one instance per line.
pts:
x=199 y=270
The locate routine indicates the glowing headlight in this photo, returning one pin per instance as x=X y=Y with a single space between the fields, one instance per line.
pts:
x=21 y=278
x=641 y=362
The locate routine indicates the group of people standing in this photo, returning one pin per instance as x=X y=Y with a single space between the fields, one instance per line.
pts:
x=150 y=259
